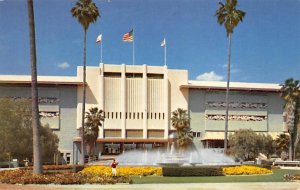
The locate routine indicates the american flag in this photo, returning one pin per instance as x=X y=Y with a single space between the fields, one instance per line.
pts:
x=128 y=37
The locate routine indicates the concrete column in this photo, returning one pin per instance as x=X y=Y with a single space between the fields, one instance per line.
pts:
x=101 y=98
x=166 y=103
x=123 y=101
x=145 y=102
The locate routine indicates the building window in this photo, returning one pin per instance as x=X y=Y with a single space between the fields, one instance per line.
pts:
x=120 y=115
x=112 y=74
x=142 y=115
x=155 y=133
x=159 y=116
x=196 y=134
x=163 y=115
x=134 y=75
x=107 y=115
x=155 y=76
x=112 y=133
x=68 y=158
x=138 y=115
x=134 y=133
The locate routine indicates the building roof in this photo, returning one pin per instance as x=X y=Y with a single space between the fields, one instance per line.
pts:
x=216 y=85
x=48 y=80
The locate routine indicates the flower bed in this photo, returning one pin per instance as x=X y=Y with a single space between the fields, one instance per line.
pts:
x=245 y=170
x=21 y=176
x=106 y=170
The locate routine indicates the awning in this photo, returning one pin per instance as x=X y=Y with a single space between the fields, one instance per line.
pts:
x=214 y=136
x=220 y=135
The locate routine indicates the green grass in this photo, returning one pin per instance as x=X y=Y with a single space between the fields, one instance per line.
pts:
x=277 y=176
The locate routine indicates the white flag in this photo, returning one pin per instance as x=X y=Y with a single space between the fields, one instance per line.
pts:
x=99 y=39
x=163 y=43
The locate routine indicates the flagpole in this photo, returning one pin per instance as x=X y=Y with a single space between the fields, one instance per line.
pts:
x=133 y=45
x=101 y=52
x=165 y=52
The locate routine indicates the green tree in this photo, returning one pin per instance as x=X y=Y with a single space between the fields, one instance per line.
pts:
x=245 y=144
x=86 y=12
x=291 y=94
x=93 y=119
x=37 y=165
x=229 y=16
x=16 y=132
x=181 y=122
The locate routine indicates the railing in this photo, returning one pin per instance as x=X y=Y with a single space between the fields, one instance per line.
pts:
x=287 y=163
x=90 y=159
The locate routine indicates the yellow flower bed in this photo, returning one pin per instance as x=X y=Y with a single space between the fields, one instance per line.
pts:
x=245 y=170
x=106 y=170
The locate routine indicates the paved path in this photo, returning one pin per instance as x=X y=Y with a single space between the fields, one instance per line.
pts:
x=189 y=186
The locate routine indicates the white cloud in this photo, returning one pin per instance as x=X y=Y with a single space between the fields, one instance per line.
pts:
x=64 y=65
x=210 y=76
x=233 y=69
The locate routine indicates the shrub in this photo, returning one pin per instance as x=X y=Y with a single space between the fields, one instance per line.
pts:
x=192 y=171
x=106 y=170
x=245 y=170
x=27 y=177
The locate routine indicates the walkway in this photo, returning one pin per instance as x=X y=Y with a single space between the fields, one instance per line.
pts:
x=190 y=186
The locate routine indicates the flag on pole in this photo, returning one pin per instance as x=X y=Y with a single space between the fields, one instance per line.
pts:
x=163 y=43
x=128 y=36
x=99 y=39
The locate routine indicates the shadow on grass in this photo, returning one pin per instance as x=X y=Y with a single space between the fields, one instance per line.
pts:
x=276 y=176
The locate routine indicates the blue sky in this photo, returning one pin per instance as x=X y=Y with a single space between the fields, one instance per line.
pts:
x=266 y=45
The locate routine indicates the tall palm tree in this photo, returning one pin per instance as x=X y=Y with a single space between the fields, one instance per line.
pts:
x=37 y=164
x=291 y=94
x=93 y=117
x=229 y=16
x=181 y=122
x=282 y=143
x=86 y=12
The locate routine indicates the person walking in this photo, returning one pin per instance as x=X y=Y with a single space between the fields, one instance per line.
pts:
x=114 y=167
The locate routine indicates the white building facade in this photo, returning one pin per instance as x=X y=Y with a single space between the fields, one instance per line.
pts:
x=138 y=102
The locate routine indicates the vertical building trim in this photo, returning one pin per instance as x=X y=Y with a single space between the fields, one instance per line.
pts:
x=101 y=98
x=145 y=101
x=123 y=100
x=166 y=103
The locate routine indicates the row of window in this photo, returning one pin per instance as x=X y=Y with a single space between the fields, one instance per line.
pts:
x=133 y=115
x=133 y=75
x=133 y=133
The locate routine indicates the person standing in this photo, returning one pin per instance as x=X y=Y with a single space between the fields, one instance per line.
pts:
x=114 y=167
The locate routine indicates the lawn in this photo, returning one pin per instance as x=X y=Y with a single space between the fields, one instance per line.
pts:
x=277 y=176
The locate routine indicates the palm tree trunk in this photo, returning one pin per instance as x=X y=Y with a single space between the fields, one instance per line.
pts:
x=83 y=98
x=291 y=148
x=37 y=163
x=227 y=95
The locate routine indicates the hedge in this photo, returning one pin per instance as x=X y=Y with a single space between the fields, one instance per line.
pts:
x=193 y=171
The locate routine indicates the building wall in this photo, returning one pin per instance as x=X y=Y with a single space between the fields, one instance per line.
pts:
x=260 y=112
x=61 y=100
x=134 y=97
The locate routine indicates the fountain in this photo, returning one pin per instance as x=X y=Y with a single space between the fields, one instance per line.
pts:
x=173 y=157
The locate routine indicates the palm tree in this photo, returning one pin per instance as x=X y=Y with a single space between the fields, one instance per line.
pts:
x=180 y=119
x=282 y=143
x=230 y=17
x=290 y=93
x=93 y=117
x=86 y=12
x=37 y=164
x=181 y=122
